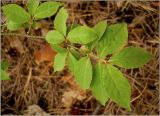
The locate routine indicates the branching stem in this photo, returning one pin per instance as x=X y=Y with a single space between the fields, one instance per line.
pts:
x=42 y=37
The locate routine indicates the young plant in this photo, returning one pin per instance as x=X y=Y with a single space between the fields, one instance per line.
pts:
x=18 y=17
x=94 y=64
x=88 y=63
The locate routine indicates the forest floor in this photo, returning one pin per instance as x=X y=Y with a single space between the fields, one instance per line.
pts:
x=36 y=89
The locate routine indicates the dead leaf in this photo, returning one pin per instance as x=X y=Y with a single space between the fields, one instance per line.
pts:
x=119 y=3
x=137 y=20
x=16 y=43
x=45 y=54
x=45 y=27
x=73 y=93
x=35 y=110
x=71 y=81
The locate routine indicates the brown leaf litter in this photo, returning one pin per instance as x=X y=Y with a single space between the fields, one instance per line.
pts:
x=37 y=84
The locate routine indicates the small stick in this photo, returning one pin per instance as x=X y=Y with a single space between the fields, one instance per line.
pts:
x=22 y=35
x=97 y=109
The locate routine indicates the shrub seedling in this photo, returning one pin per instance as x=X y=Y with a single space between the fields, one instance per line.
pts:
x=95 y=63
x=18 y=17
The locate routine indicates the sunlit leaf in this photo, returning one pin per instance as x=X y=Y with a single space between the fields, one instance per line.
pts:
x=15 y=13
x=131 y=57
x=12 y=26
x=100 y=28
x=60 y=21
x=83 y=72
x=72 y=26
x=32 y=5
x=82 y=35
x=71 y=61
x=47 y=9
x=4 y=75
x=58 y=48
x=118 y=87
x=59 y=61
x=114 y=38
x=54 y=37
x=98 y=84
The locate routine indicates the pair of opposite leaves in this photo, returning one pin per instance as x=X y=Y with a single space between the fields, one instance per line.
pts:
x=105 y=80
x=18 y=17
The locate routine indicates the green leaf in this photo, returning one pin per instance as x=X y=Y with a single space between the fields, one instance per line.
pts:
x=54 y=37
x=71 y=62
x=36 y=25
x=83 y=72
x=4 y=65
x=114 y=38
x=4 y=75
x=131 y=57
x=98 y=84
x=47 y=9
x=72 y=26
x=59 y=61
x=16 y=13
x=12 y=26
x=32 y=5
x=60 y=21
x=118 y=87
x=100 y=28
x=58 y=48
x=82 y=35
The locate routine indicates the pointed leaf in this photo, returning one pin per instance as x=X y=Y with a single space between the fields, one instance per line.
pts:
x=72 y=26
x=59 y=61
x=32 y=5
x=98 y=84
x=100 y=28
x=131 y=57
x=60 y=21
x=47 y=9
x=54 y=37
x=58 y=48
x=118 y=87
x=16 y=13
x=82 y=35
x=83 y=72
x=12 y=26
x=114 y=38
x=4 y=75
x=71 y=62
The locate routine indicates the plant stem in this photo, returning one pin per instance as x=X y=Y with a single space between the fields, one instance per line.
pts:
x=42 y=37
x=30 y=25
x=91 y=55
x=97 y=109
x=73 y=47
x=22 y=35
x=98 y=59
